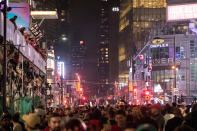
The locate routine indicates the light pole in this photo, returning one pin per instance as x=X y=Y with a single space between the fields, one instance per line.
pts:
x=175 y=66
x=4 y=54
x=61 y=77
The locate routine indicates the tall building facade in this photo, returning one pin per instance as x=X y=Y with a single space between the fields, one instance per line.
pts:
x=78 y=51
x=138 y=19
x=108 y=22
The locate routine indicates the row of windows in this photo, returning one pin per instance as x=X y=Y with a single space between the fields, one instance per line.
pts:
x=193 y=49
x=162 y=75
x=104 y=62
x=104 y=49
x=149 y=3
x=193 y=72
x=158 y=53
x=168 y=52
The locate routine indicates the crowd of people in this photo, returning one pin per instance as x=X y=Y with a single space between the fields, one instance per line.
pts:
x=169 y=117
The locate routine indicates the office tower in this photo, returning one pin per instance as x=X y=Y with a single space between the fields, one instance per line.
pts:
x=108 y=37
x=138 y=20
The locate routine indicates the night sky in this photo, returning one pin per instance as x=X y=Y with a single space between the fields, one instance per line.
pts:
x=84 y=17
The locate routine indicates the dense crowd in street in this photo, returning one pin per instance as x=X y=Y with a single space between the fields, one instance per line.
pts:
x=105 y=118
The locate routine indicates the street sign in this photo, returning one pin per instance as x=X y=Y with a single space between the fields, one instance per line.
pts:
x=176 y=91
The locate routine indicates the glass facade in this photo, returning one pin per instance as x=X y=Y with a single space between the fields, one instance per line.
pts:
x=147 y=16
x=138 y=18
x=149 y=3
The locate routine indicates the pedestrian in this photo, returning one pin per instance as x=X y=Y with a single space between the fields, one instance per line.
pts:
x=53 y=122
x=184 y=128
x=74 y=125
x=120 y=119
x=6 y=123
x=17 y=126
x=157 y=117
x=191 y=118
x=42 y=114
x=32 y=122
x=13 y=20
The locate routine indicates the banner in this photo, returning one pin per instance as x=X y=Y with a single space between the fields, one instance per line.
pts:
x=21 y=10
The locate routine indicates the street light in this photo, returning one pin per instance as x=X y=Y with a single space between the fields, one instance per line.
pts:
x=64 y=38
x=175 y=68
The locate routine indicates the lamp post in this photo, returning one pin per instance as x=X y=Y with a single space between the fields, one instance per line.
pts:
x=175 y=66
x=4 y=54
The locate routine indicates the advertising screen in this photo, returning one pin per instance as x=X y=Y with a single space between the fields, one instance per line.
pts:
x=61 y=69
x=182 y=12
x=21 y=10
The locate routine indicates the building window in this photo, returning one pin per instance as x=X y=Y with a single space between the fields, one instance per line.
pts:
x=193 y=72
x=193 y=49
x=62 y=20
x=160 y=52
x=180 y=52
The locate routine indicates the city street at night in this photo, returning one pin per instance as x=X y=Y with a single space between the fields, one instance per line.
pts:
x=98 y=65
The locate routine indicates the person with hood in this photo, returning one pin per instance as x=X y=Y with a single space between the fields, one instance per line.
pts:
x=157 y=117
x=168 y=114
x=191 y=118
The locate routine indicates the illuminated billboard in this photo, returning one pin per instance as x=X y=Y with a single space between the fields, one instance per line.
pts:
x=50 y=63
x=21 y=10
x=61 y=69
x=182 y=12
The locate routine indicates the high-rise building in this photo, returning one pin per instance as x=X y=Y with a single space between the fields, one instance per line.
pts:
x=108 y=22
x=78 y=51
x=138 y=19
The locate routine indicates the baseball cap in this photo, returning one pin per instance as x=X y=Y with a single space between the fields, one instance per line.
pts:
x=31 y=119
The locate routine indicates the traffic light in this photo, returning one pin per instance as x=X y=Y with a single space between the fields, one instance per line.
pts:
x=130 y=86
x=172 y=89
x=78 y=85
x=147 y=94
x=81 y=90
x=135 y=92
x=84 y=98
x=133 y=67
x=147 y=98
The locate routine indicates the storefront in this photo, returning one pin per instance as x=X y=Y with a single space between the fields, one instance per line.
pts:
x=160 y=62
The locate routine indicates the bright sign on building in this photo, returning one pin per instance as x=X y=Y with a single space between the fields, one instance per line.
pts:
x=182 y=12
x=50 y=63
x=21 y=10
x=61 y=69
